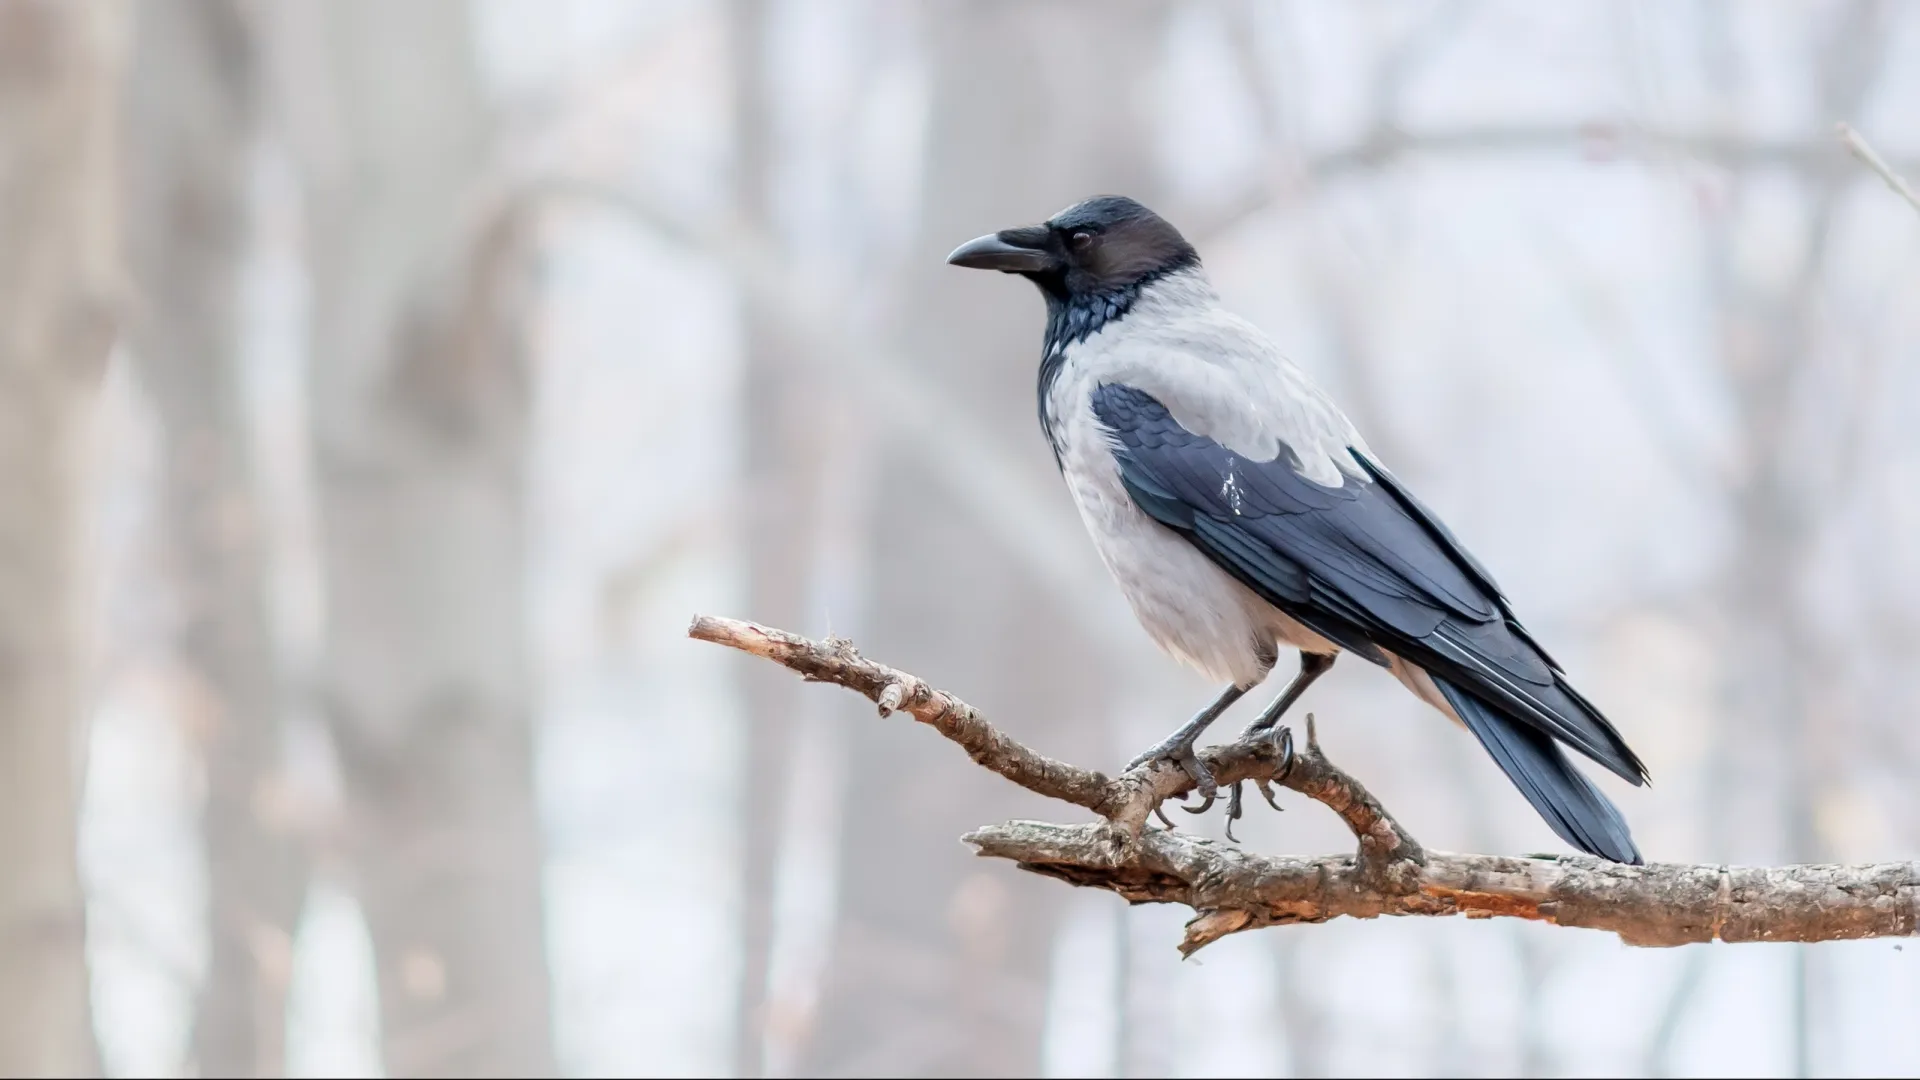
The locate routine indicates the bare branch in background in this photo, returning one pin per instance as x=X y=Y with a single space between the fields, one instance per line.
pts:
x=1597 y=302
x=1406 y=54
x=1597 y=140
x=977 y=468
x=1860 y=148
x=1391 y=874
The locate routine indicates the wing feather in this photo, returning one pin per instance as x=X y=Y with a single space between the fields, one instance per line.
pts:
x=1364 y=564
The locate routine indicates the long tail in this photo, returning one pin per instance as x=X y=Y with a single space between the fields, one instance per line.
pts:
x=1536 y=764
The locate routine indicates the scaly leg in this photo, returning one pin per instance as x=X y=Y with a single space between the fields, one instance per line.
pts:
x=1312 y=666
x=1178 y=747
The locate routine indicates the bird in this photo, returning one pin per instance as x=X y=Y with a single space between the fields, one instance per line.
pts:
x=1241 y=512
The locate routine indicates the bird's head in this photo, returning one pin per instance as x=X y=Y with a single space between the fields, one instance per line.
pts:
x=1101 y=246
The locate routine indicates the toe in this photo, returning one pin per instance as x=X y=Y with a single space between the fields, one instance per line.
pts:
x=1198 y=772
x=1266 y=790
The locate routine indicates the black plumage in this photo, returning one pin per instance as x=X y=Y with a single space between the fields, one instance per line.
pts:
x=1369 y=568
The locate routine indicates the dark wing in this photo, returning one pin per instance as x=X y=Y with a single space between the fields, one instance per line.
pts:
x=1364 y=565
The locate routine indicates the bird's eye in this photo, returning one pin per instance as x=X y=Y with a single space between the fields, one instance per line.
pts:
x=1081 y=240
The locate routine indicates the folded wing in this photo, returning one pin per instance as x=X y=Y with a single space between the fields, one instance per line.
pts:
x=1363 y=564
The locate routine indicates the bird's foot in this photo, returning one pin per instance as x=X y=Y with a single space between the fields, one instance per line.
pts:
x=1283 y=738
x=1178 y=748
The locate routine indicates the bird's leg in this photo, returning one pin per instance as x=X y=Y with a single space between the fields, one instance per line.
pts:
x=1312 y=666
x=1178 y=747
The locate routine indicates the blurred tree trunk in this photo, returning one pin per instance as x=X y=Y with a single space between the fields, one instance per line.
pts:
x=1770 y=340
x=940 y=966
x=420 y=412
x=1774 y=759
x=56 y=328
x=190 y=123
x=783 y=492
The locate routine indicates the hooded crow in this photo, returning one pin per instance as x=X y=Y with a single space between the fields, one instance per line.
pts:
x=1239 y=510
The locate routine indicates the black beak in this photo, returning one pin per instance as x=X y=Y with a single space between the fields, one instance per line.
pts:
x=1012 y=251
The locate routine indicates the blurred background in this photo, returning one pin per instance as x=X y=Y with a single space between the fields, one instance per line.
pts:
x=384 y=385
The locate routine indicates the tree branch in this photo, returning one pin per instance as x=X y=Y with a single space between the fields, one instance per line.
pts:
x=1293 y=172
x=1391 y=874
x=1860 y=148
x=1662 y=904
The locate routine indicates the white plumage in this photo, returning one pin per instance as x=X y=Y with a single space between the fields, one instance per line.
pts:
x=1220 y=377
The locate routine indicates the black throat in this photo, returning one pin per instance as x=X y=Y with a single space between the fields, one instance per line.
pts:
x=1073 y=317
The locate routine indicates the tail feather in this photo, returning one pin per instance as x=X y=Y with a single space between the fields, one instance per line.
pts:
x=1577 y=810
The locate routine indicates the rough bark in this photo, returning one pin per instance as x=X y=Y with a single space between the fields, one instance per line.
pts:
x=1232 y=890
x=189 y=107
x=1656 y=905
x=56 y=327
x=921 y=958
x=419 y=425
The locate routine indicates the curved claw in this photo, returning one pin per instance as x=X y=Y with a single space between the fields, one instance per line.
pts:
x=1202 y=808
x=1197 y=771
x=1162 y=815
x=1266 y=790
x=1285 y=736
x=1233 y=810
